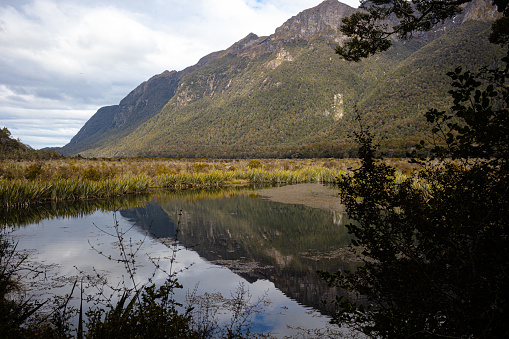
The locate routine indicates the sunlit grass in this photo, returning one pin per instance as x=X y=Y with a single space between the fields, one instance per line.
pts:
x=25 y=183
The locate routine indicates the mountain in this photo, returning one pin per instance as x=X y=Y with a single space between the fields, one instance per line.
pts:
x=113 y=122
x=289 y=95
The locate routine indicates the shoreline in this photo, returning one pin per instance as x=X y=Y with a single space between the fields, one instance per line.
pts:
x=309 y=194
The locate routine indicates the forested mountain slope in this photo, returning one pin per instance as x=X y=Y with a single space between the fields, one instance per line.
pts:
x=289 y=94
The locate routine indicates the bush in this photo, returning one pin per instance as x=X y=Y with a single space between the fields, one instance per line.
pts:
x=254 y=164
x=91 y=173
x=33 y=171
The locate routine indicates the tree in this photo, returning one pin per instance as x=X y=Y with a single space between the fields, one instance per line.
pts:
x=435 y=243
x=370 y=31
x=16 y=150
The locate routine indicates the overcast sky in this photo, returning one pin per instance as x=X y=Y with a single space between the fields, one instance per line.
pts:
x=61 y=60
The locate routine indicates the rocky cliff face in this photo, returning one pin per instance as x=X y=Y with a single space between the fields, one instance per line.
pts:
x=480 y=10
x=141 y=104
x=324 y=19
x=146 y=97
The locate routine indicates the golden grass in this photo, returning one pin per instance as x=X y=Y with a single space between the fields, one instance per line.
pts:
x=25 y=183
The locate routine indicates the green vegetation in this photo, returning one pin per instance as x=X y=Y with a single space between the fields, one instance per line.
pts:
x=433 y=241
x=293 y=98
x=435 y=253
x=396 y=107
x=18 y=193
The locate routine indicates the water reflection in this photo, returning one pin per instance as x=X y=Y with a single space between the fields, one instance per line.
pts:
x=257 y=239
x=16 y=217
x=240 y=235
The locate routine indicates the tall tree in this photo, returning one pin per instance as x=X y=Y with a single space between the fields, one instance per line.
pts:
x=435 y=243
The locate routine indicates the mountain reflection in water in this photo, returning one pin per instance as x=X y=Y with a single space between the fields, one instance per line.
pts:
x=258 y=239
x=233 y=233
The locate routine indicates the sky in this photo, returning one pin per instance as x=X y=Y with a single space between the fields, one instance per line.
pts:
x=61 y=60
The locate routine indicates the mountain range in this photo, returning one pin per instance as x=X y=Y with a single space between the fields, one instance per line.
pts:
x=289 y=94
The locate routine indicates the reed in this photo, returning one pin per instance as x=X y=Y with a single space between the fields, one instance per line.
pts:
x=316 y=174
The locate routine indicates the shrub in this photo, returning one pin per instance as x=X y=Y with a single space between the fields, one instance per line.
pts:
x=91 y=174
x=33 y=171
x=200 y=166
x=254 y=164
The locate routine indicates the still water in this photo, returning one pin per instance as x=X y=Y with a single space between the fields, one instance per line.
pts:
x=227 y=238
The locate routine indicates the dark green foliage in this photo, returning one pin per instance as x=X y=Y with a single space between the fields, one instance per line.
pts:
x=478 y=126
x=33 y=171
x=367 y=39
x=254 y=164
x=371 y=33
x=500 y=29
x=435 y=252
x=435 y=244
x=6 y=142
x=91 y=174
x=396 y=106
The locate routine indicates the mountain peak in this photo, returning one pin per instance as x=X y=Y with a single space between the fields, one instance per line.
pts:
x=249 y=40
x=324 y=18
x=480 y=10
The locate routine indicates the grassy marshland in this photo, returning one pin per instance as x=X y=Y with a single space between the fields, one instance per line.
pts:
x=24 y=183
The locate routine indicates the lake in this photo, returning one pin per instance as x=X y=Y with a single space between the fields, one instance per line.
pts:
x=268 y=241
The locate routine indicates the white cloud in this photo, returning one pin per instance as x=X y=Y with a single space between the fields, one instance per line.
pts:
x=46 y=127
x=70 y=57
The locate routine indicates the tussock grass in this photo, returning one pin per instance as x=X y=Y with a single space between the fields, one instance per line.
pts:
x=22 y=192
x=25 y=183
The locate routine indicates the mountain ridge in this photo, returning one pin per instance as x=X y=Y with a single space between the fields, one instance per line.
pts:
x=283 y=95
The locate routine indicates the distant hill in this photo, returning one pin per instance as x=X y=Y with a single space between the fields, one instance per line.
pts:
x=14 y=149
x=289 y=95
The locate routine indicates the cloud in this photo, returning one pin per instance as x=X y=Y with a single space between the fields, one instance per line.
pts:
x=66 y=56
x=47 y=127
